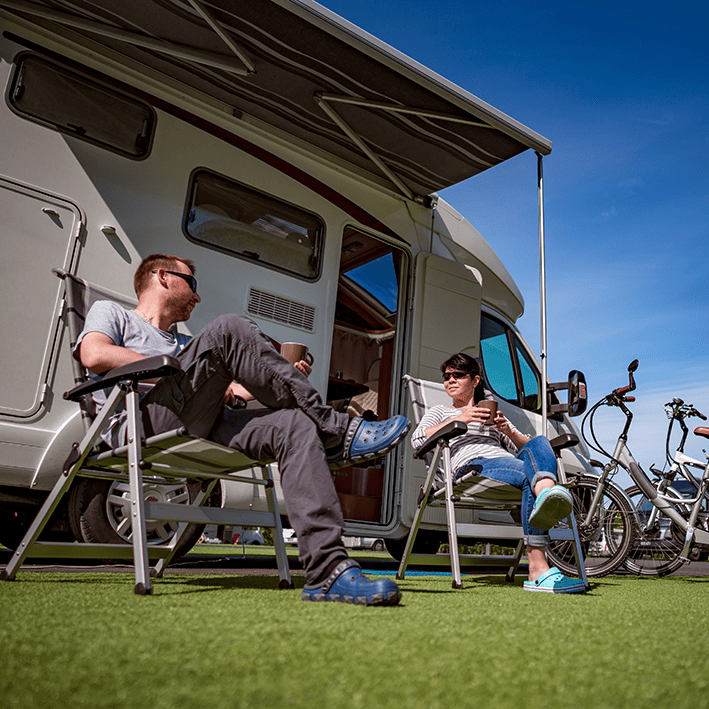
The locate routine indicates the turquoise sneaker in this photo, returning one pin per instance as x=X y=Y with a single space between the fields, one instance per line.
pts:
x=551 y=506
x=553 y=581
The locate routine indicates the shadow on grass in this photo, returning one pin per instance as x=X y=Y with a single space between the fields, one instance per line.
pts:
x=228 y=583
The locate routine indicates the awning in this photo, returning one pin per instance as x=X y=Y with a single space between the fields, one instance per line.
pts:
x=296 y=66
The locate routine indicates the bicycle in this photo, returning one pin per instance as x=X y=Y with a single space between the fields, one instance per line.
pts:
x=666 y=552
x=661 y=516
x=605 y=521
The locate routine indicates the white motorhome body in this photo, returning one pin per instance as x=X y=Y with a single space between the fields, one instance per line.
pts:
x=295 y=158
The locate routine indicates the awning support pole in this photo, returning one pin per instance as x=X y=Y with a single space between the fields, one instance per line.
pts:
x=542 y=292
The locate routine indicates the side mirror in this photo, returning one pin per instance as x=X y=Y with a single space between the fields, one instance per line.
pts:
x=577 y=398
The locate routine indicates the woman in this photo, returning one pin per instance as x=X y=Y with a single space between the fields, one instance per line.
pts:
x=497 y=450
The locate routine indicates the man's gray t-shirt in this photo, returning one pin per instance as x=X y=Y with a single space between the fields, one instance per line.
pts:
x=127 y=329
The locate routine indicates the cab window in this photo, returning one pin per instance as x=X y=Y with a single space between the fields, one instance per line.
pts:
x=509 y=371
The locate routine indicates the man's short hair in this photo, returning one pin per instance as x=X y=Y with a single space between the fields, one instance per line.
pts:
x=152 y=263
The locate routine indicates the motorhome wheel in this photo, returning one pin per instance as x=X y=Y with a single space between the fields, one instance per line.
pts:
x=99 y=512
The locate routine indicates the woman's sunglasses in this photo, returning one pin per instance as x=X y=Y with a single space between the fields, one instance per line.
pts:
x=457 y=374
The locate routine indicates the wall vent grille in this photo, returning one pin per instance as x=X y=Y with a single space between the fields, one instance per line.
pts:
x=281 y=310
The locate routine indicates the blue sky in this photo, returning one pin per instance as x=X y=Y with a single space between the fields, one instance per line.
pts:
x=622 y=91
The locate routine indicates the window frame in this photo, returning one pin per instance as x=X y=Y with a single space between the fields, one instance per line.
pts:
x=89 y=78
x=318 y=249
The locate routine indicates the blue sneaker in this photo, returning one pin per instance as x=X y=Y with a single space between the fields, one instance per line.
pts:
x=365 y=440
x=551 y=506
x=347 y=584
x=553 y=581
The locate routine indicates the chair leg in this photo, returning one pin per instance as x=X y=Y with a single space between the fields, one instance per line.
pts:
x=450 y=517
x=578 y=551
x=66 y=478
x=143 y=587
x=284 y=577
x=510 y=575
x=45 y=512
x=420 y=509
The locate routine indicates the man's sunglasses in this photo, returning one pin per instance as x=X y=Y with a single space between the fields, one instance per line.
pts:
x=457 y=374
x=191 y=280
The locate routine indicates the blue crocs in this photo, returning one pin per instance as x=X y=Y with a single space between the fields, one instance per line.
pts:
x=551 y=506
x=347 y=584
x=365 y=440
x=553 y=581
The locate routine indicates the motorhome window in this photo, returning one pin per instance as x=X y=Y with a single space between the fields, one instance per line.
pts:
x=60 y=98
x=224 y=215
x=497 y=359
x=509 y=371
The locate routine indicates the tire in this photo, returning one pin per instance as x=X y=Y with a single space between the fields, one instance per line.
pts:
x=15 y=523
x=378 y=545
x=605 y=539
x=655 y=552
x=99 y=512
x=427 y=542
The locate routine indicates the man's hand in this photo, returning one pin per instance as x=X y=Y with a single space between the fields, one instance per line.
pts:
x=232 y=391
x=303 y=367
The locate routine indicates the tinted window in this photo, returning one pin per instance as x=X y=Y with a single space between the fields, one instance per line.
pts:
x=227 y=216
x=509 y=371
x=530 y=380
x=497 y=359
x=61 y=98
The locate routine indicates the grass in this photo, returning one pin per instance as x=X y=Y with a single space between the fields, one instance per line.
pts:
x=84 y=640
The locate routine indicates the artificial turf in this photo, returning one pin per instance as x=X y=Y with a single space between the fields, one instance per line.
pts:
x=84 y=640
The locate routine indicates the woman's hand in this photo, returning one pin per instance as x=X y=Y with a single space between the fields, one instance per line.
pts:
x=473 y=414
x=502 y=424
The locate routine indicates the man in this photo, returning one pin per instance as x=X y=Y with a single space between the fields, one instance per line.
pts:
x=228 y=362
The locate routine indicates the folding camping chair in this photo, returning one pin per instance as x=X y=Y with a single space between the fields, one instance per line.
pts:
x=162 y=459
x=480 y=494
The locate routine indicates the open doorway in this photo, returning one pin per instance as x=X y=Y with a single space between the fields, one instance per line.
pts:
x=362 y=356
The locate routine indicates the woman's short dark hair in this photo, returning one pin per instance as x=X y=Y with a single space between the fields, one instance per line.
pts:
x=465 y=363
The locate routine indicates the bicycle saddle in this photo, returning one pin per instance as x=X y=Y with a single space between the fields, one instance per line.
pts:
x=702 y=431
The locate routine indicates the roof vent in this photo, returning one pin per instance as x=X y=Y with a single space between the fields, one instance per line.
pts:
x=281 y=310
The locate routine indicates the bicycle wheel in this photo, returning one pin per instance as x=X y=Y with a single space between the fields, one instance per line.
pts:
x=605 y=539
x=655 y=551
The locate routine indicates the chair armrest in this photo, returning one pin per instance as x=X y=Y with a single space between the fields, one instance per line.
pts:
x=452 y=429
x=565 y=440
x=149 y=368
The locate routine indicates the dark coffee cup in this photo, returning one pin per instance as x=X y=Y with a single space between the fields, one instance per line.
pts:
x=491 y=406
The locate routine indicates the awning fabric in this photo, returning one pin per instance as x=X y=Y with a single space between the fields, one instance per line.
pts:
x=294 y=65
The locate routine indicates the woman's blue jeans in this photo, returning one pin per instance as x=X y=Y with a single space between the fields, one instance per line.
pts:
x=534 y=462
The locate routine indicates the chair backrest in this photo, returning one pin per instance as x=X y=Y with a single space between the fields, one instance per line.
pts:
x=80 y=295
x=425 y=394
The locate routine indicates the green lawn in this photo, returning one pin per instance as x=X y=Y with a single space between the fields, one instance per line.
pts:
x=85 y=640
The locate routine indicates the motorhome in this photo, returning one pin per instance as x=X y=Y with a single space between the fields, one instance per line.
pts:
x=296 y=159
